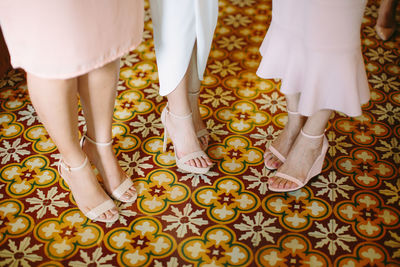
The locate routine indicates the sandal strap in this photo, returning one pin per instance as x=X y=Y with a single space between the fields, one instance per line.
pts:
x=122 y=188
x=202 y=132
x=100 y=209
x=312 y=136
x=293 y=112
x=183 y=117
x=194 y=92
x=289 y=178
x=67 y=167
x=85 y=137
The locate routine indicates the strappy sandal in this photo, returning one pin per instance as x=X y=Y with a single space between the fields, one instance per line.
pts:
x=181 y=163
x=94 y=213
x=314 y=170
x=203 y=132
x=124 y=186
x=274 y=151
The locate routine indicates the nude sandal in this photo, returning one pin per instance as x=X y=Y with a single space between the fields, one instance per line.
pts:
x=124 y=186
x=94 y=213
x=314 y=170
x=181 y=162
x=274 y=151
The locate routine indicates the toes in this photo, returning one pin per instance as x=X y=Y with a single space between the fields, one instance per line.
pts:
x=208 y=161
x=203 y=162
x=114 y=211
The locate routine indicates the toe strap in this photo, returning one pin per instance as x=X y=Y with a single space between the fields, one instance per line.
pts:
x=289 y=178
x=198 y=154
x=122 y=188
x=100 y=209
x=202 y=132
x=277 y=153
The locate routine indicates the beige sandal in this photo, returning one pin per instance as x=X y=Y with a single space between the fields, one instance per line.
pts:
x=94 y=213
x=181 y=162
x=124 y=186
x=314 y=170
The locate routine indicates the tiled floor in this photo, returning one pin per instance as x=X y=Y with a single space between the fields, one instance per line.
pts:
x=348 y=216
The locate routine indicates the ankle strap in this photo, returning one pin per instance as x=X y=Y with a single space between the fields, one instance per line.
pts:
x=67 y=167
x=312 y=136
x=293 y=112
x=178 y=116
x=194 y=92
x=85 y=137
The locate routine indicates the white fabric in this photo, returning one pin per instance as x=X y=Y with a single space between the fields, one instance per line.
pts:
x=177 y=25
x=314 y=47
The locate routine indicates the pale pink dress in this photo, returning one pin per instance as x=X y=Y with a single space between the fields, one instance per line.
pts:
x=314 y=47
x=59 y=39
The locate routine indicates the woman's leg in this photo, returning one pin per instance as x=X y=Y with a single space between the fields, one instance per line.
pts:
x=386 y=22
x=193 y=92
x=56 y=104
x=286 y=138
x=97 y=90
x=303 y=152
x=185 y=139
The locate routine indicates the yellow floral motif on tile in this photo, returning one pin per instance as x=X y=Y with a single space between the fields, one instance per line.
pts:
x=298 y=209
x=9 y=127
x=139 y=243
x=159 y=190
x=41 y=142
x=15 y=98
x=124 y=141
x=242 y=117
x=141 y=75
x=226 y=199
x=22 y=178
x=235 y=154
x=217 y=246
x=154 y=146
x=367 y=254
x=130 y=103
x=65 y=235
x=368 y=215
x=291 y=250
x=13 y=221
x=247 y=85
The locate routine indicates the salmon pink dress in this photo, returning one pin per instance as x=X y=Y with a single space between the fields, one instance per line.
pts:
x=60 y=39
x=314 y=47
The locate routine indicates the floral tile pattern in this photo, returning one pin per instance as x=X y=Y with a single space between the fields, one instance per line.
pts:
x=348 y=215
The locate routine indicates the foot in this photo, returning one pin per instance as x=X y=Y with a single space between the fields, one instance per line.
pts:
x=104 y=159
x=284 y=141
x=386 y=22
x=86 y=190
x=299 y=161
x=198 y=122
x=184 y=138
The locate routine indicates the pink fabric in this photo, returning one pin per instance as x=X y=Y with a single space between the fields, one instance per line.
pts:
x=67 y=38
x=314 y=47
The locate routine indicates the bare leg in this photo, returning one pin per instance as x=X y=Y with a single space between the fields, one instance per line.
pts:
x=286 y=138
x=56 y=103
x=98 y=90
x=304 y=151
x=194 y=90
x=386 y=22
x=184 y=139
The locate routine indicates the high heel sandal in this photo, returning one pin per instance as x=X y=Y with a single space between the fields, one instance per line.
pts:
x=181 y=162
x=385 y=32
x=117 y=193
x=94 y=213
x=274 y=151
x=203 y=132
x=314 y=170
